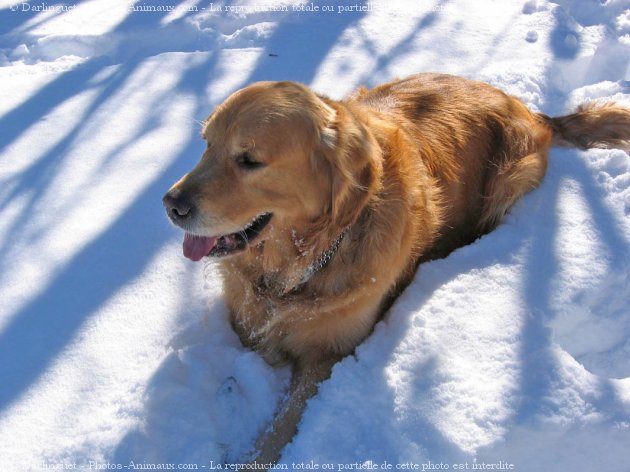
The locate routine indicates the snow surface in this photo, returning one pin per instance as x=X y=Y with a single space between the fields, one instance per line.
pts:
x=514 y=350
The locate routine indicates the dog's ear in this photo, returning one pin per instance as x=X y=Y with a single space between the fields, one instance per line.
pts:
x=352 y=157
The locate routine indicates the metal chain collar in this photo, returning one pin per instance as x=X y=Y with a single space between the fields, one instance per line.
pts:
x=323 y=260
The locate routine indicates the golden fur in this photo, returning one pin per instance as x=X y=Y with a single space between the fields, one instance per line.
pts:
x=410 y=170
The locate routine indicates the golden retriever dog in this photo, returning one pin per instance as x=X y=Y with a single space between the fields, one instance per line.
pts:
x=319 y=211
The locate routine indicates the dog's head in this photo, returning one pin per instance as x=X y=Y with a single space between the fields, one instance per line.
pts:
x=276 y=152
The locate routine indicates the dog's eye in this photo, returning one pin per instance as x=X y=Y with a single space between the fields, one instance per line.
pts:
x=246 y=162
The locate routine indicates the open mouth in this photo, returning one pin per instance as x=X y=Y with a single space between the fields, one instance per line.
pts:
x=197 y=247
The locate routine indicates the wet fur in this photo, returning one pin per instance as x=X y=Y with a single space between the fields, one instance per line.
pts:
x=412 y=169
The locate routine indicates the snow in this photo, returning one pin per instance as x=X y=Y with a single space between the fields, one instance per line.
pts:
x=514 y=350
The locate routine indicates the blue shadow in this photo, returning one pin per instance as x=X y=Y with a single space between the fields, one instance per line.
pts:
x=41 y=329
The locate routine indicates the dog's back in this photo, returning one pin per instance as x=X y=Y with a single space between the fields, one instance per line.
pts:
x=484 y=147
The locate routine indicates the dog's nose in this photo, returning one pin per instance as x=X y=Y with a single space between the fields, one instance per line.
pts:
x=178 y=206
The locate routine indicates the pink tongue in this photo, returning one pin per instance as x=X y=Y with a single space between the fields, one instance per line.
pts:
x=196 y=247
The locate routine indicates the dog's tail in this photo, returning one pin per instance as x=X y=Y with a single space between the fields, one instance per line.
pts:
x=593 y=125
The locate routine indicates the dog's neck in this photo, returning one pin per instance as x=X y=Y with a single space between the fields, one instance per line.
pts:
x=289 y=259
x=311 y=256
x=322 y=261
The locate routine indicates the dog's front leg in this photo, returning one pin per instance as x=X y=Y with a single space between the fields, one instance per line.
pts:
x=307 y=375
